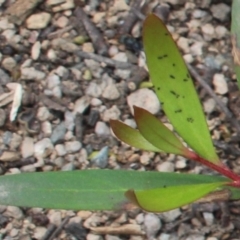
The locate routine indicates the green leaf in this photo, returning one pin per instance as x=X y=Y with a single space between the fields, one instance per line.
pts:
x=131 y=136
x=168 y=198
x=235 y=30
x=86 y=189
x=175 y=89
x=157 y=133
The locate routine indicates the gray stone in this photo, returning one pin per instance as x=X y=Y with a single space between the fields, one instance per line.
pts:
x=144 y=98
x=220 y=11
x=73 y=146
x=130 y=123
x=111 y=113
x=35 y=51
x=69 y=120
x=102 y=129
x=111 y=92
x=91 y=236
x=27 y=147
x=152 y=225
x=101 y=159
x=39 y=232
x=165 y=167
x=68 y=167
x=43 y=148
x=53 y=80
x=58 y=133
x=209 y=218
x=14 y=212
x=94 y=90
x=2 y=117
x=220 y=83
x=209 y=105
x=9 y=63
x=32 y=74
x=170 y=216
x=60 y=149
x=38 y=20
x=81 y=104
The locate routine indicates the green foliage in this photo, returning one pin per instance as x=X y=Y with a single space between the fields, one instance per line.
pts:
x=175 y=89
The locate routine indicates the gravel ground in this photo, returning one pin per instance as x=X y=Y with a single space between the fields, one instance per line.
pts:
x=80 y=64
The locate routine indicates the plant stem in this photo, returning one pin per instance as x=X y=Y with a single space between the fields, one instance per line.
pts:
x=222 y=169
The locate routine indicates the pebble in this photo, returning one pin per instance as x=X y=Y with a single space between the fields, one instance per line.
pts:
x=2 y=117
x=88 y=47
x=52 y=81
x=58 y=133
x=73 y=146
x=102 y=129
x=101 y=159
x=28 y=168
x=81 y=104
x=14 y=212
x=68 y=4
x=165 y=167
x=220 y=83
x=32 y=74
x=46 y=128
x=91 y=236
x=92 y=65
x=9 y=63
x=196 y=48
x=121 y=56
x=195 y=237
x=152 y=224
x=27 y=147
x=221 y=32
x=62 y=22
x=55 y=217
x=123 y=73
x=9 y=156
x=38 y=20
x=144 y=98
x=43 y=113
x=60 y=149
x=111 y=113
x=164 y=236
x=220 y=11
x=199 y=13
x=62 y=72
x=171 y=215
x=43 y=148
x=69 y=120
x=39 y=232
x=111 y=92
x=95 y=102
x=113 y=50
x=111 y=237
x=68 y=167
x=51 y=54
x=35 y=51
x=208 y=31
x=183 y=44
x=209 y=218
x=94 y=90
x=209 y=105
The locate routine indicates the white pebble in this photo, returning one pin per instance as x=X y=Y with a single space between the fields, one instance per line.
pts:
x=220 y=83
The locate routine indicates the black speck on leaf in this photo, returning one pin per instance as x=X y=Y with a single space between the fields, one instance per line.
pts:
x=171 y=76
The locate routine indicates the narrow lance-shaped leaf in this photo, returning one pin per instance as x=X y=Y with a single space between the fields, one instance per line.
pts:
x=131 y=136
x=175 y=89
x=168 y=198
x=86 y=189
x=157 y=133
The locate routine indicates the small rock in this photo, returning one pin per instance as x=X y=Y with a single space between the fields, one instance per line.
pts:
x=209 y=105
x=209 y=218
x=102 y=129
x=144 y=98
x=28 y=168
x=43 y=148
x=196 y=48
x=145 y=158
x=195 y=237
x=94 y=90
x=87 y=75
x=88 y=47
x=199 y=13
x=39 y=232
x=220 y=11
x=53 y=80
x=220 y=83
x=14 y=212
x=165 y=167
x=111 y=113
x=32 y=74
x=91 y=236
x=111 y=92
x=60 y=149
x=9 y=63
x=95 y=102
x=72 y=147
x=121 y=56
x=69 y=120
x=221 y=32
x=15 y=141
x=35 y=51
x=81 y=104
x=46 y=128
x=62 y=22
x=101 y=159
x=111 y=237
x=38 y=20
x=68 y=167
x=68 y=4
x=27 y=147
x=208 y=31
x=51 y=54
x=9 y=156
x=152 y=224
x=170 y=216
x=183 y=44
x=55 y=217
x=2 y=117
x=62 y=72
x=64 y=44
x=58 y=133
x=164 y=236
x=43 y=113
x=113 y=50
x=130 y=123
x=123 y=73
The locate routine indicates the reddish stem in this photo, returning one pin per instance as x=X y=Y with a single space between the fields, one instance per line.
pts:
x=221 y=168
